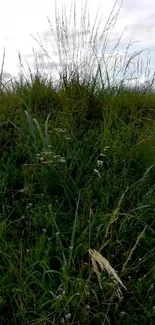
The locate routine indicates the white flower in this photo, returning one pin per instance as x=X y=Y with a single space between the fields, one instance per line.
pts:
x=62 y=321
x=99 y=162
x=29 y=205
x=44 y=230
x=122 y=313
x=57 y=156
x=62 y=160
x=59 y=297
x=68 y=316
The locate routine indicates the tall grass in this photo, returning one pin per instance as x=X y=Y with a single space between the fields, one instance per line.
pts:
x=86 y=52
x=77 y=170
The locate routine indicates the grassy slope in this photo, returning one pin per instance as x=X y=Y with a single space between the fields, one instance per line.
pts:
x=82 y=179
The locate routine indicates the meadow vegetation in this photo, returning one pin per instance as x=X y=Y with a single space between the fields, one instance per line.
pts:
x=77 y=197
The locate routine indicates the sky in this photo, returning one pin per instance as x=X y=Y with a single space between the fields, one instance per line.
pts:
x=22 y=23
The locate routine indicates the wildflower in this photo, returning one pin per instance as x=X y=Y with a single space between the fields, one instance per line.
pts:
x=122 y=313
x=44 y=230
x=56 y=156
x=60 y=288
x=99 y=162
x=68 y=316
x=70 y=247
x=62 y=160
x=62 y=321
x=29 y=205
x=59 y=297
x=41 y=158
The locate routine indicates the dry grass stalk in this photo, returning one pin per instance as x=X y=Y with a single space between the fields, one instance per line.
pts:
x=98 y=260
x=132 y=250
x=115 y=215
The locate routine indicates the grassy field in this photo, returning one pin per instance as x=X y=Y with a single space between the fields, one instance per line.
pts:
x=77 y=203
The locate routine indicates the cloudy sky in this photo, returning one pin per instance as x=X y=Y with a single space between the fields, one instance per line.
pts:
x=22 y=21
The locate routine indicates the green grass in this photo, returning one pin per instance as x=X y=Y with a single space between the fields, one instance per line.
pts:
x=70 y=183
x=77 y=171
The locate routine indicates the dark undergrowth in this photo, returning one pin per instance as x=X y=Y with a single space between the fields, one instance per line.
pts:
x=81 y=179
